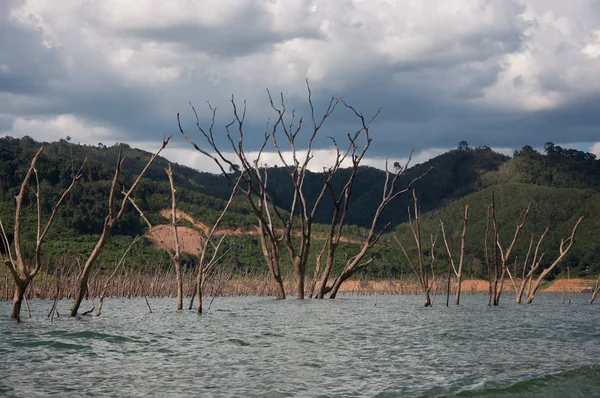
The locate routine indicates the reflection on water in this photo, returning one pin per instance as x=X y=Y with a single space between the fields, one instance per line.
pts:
x=345 y=347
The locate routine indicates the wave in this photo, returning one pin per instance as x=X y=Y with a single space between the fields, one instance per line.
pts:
x=580 y=382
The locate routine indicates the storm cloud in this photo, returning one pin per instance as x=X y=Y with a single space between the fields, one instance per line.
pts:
x=497 y=73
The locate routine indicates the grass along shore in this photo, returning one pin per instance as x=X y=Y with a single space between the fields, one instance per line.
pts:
x=137 y=284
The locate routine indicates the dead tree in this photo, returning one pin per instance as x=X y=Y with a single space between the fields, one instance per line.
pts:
x=457 y=270
x=22 y=272
x=562 y=253
x=206 y=264
x=595 y=291
x=526 y=276
x=254 y=186
x=176 y=256
x=486 y=247
x=296 y=225
x=425 y=279
x=113 y=216
x=175 y=252
x=500 y=269
x=112 y=275
x=297 y=173
x=341 y=208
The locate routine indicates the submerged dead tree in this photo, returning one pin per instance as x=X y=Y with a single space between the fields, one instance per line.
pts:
x=425 y=277
x=292 y=228
x=341 y=207
x=595 y=291
x=501 y=268
x=176 y=255
x=252 y=184
x=457 y=269
x=300 y=210
x=207 y=261
x=526 y=276
x=118 y=265
x=114 y=215
x=22 y=271
x=563 y=251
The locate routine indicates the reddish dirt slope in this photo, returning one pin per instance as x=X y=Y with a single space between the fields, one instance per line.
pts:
x=189 y=238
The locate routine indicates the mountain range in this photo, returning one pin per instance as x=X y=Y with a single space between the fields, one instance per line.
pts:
x=562 y=184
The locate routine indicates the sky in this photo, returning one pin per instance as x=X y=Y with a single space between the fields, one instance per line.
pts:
x=501 y=73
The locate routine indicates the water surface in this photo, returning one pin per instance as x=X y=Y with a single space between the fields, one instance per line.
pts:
x=251 y=346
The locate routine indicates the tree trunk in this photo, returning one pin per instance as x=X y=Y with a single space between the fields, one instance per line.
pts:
x=521 y=290
x=280 y=292
x=448 y=287
x=594 y=294
x=336 y=285
x=299 y=269
x=199 y=283
x=500 y=288
x=20 y=288
x=179 y=287
x=427 y=298
x=458 y=288
x=322 y=284
x=80 y=295
x=85 y=275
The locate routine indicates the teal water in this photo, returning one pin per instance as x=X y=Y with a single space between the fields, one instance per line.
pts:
x=251 y=346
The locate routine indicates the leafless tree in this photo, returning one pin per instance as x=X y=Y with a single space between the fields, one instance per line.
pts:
x=176 y=255
x=486 y=248
x=117 y=268
x=457 y=270
x=113 y=216
x=175 y=251
x=425 y=277
x=207 y=261
x=22 y=272
x=500 y=269
x=254 y=183
x=340 y=214
x=296 y=224
x=595 y=291
x=562 y=253
x=527 y=273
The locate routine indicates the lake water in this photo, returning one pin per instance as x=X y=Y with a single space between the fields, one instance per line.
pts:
x=348 y=347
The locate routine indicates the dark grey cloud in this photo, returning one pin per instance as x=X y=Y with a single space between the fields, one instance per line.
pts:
x=497 y=73
x=26 y=63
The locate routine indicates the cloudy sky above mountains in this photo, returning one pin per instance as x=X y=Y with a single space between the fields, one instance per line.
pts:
x=502 y=73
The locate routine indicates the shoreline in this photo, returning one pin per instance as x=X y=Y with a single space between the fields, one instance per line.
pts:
x=164 y=285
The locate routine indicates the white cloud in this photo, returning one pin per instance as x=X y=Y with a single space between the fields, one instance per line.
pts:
x=595 y=149
x=59 y=127
x=322 y=158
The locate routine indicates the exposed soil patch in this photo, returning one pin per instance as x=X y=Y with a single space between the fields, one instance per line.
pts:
x=189 y=238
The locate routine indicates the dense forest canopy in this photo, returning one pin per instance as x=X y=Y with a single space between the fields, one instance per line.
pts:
x=562 y=183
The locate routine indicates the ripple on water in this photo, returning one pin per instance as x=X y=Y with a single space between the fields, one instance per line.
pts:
x=262 y=347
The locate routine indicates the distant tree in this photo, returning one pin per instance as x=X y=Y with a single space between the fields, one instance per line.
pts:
x=463 y=146
x=528 y=150
x=549 y=148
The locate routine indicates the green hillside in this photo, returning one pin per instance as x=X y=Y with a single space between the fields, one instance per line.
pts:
x=563 y=184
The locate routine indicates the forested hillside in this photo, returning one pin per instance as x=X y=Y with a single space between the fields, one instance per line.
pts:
x=562 y=183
